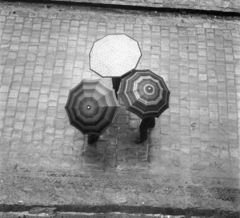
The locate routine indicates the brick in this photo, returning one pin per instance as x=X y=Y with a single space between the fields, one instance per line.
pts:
x=195 y=158
x=32 y=102
x=123 y=119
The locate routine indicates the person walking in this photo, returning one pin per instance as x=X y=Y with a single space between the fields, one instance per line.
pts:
x=145 y=94
x=145 y=125
x=92 y=138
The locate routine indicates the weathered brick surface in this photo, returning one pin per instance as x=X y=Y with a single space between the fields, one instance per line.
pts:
x=220 y=5
x=191 y=159
x=90 y=215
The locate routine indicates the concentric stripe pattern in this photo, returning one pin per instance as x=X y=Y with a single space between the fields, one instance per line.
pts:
x=144 y=93
x=91 y=107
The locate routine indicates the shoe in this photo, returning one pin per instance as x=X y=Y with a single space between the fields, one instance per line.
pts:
x=138 y=141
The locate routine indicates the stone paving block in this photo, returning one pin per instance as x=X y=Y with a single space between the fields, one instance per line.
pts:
x=133 y=124
x=110 y=150
x=127 y=155
x=123 y=118
x=133 y=116
x=122 y=128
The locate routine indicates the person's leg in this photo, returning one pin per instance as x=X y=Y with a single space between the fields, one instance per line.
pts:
x=92 y=138
x=143 y=135
x=143 y=130
x=116 y=83
x=152 y=123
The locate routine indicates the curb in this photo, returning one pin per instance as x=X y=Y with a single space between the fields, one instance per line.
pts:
x=88 y=215
x=178 y=10
x=110 y=209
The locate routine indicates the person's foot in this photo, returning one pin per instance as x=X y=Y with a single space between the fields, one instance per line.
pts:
x=138 y=140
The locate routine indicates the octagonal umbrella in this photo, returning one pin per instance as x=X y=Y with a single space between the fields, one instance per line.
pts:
x=144 y=93
x=91 y=106
x=114 y=55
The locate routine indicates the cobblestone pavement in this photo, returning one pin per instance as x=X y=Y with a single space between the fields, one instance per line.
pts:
x=219 y=5
x=191 y=160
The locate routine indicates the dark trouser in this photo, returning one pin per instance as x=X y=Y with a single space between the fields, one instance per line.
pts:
x=116 y=83
x=92 y=138
x=144 y=125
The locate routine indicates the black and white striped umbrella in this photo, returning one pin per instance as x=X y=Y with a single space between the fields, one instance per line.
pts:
x=114 y=55
x=91 y=106
x=144 y=93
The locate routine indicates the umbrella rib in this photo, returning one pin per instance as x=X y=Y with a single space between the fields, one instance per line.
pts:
x=145 y=103
x=75 y=108
x=125 y=47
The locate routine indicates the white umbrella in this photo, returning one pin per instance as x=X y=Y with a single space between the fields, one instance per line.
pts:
x=114 y=55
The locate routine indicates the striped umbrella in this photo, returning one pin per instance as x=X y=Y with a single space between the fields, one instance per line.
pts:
x=114 y=55
x=144 y=93
x=91 y=106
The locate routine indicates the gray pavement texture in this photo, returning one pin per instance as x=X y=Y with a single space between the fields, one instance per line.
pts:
x=209 y=5
x=191 y=160
x=87 y=215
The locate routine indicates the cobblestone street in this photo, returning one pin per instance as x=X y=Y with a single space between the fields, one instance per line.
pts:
x=191 y=160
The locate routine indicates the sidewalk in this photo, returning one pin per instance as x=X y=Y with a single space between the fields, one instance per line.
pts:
x=209 y=5
x=190 y=163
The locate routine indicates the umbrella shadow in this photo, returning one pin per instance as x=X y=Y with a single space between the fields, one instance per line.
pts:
x=102 y=154
x=91 y=154
x=130 y=152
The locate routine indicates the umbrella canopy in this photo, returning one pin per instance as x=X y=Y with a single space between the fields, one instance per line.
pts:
x=91 y=106
x=144 y=93
x=114 y=55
